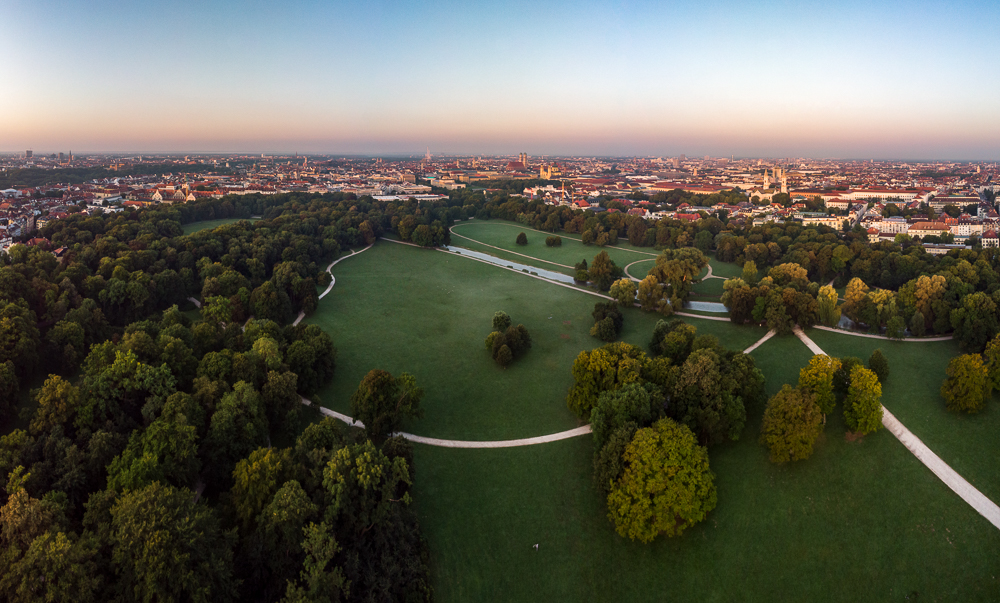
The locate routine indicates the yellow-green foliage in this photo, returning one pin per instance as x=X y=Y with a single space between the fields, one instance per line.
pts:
x=667 y=485
x=792 y=422
x=863 y=405
x=817 y=379
x=606 y=368
x=968 y=385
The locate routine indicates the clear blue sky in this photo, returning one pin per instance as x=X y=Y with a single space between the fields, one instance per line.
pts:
x=822 y=79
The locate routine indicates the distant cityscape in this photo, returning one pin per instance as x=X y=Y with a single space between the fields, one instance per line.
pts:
x=946 y=204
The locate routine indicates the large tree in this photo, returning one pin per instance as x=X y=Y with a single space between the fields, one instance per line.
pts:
x=817 y=378
x=666 y=486
x=792 y=422
x=968 y=385
x=382 y=402
x=863 y=405
x=167 y=548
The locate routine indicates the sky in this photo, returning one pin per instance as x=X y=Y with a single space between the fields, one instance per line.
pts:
x=866 y=79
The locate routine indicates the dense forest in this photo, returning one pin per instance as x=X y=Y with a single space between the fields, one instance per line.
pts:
x=33 y=177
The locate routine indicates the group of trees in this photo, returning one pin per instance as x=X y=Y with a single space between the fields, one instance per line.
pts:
x=608 y=321
x=795 y=416
x=653 y=416
x=507 y=342
x=782 y=299
x=668 y=283
x=971 y=379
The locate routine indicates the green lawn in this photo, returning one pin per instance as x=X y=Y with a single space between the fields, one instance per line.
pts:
x=502 y=234
x=433 y=325
x=911 y=393
x=194 y=227
x=859 y=521
x=709 y=287
x=724 y=269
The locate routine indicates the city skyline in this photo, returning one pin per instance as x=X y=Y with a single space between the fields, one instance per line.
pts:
x=846 y=79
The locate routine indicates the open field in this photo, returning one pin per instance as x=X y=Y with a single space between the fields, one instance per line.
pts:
x=859 y=520
x=433 y=310
x=966 y=442
x=502 y=234
x=194 y=227
x=724 y=269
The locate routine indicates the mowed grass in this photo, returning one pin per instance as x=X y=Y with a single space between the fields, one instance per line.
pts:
x=428 y=313
x=859 y=521
x=709 y=287
x=194 y=227
x=968 y=443
x=724 y=269
x=502 y=234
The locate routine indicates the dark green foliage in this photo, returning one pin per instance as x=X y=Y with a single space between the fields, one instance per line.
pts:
x=522 y=239
x=608 y=321
x=553 y=241
x=382 y=402
x=842 y=377
x=879 y=365
x=507 y=342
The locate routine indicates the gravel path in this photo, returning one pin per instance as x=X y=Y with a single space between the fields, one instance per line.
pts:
x=870 y=336
x=976 y=499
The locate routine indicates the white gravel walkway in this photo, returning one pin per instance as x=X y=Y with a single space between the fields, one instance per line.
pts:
x=333 y=280
x=976 y=499
x=871 y=336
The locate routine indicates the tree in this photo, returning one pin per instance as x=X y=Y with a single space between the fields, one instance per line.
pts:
x=917 y=324
x=895 y=328
x=878 y=364
x=382 y=402
x=320 y=580
x=166 y=548
x=606 y=368
x=707 y=399
x=792 y=422
x=975 y=321
x=615 y=409
x=863 y=405
x=817 y=378
x=968 y=385
x=666 y=487
x=238 y=426
x=553 y=241
x=602 y=271
x=501 y=321
x=56 y=567
x=608 y=321
x=991 y=358
x=623 y=290
x=522 y=239
x=829 y=313
x=750 y=272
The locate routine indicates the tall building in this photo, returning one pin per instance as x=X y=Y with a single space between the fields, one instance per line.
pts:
x=62 y=157
x=28 y=154
x=523 y=158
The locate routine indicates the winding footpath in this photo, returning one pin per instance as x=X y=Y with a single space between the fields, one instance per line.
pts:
x=958 y=484
x=870 y=336
x=333 y=280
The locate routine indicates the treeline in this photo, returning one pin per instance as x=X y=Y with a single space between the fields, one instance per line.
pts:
x=34 y=177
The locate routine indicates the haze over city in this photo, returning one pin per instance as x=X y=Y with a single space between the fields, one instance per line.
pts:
x=779 y=79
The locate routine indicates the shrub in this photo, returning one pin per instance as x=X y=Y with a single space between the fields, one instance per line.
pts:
x=968 y=384
x=553 y=241
x=879 y=365
x=522 y=239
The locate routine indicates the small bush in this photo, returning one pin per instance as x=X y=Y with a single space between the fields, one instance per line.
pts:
x=553 y=241
x=522 y=239
x=879 y=365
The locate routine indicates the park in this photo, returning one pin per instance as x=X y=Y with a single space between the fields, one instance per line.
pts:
x=862 y=519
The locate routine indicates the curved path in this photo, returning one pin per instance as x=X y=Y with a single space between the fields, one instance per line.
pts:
x=333 y=280
x=638 y=280
x=870 y=336
x=976 y=499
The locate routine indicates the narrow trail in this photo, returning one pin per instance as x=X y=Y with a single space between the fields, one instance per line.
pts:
x=333 y=280
x=197 y=304
x=975 y=499
x=638 y=280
